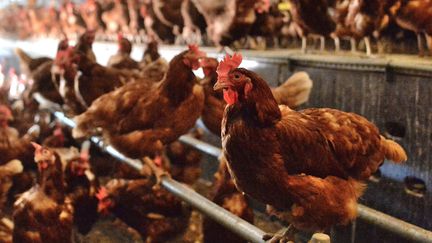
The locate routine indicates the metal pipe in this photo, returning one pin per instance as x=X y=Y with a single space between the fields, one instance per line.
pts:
x=215 y=212
x=374 y=217
x=210 y=209
x=394 y=225
x=200 y=145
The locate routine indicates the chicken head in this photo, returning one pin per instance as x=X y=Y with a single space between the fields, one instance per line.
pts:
x=235 y=85
x=5 y=115
x=43 y=156
x=192 y=57
x=105 y=202
x=208 y=64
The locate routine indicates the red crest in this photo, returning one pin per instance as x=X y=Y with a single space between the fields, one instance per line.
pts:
x=228 y=64
x=195 y=50
x=102 y=193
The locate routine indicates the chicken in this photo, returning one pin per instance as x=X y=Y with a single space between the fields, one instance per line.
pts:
x=338 y=11
x=366 y=19
x=153 y=26
x=122 y=58
x=316 y=158
x=38 y=26
x=11 y=145
x=139 y=118
x=91 y=12
x=151 y=53
x=415 y=15
x=136 y=24
x=168 y=12
x=28 y=64
x=71 y=21
x=225 y=194
x=85 y=45
x=184 y=160
x=153 y=65
x=117 y=19
x=7 y=171
x=63 y=74
x=293 y=92
x=42 y=78
x=194 y=23
x=51 y=20
x=42 y=214
x=91 y=79
x=155 y=213
x=269 y=22
x=227 y=20
x=313 y=17
x=81 y=189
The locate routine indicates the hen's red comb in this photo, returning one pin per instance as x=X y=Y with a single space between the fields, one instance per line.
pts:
x=102 y=193
x=119 y=36
x=36 y=146
x=58 y=131
x=228 y=63
x=195 y=50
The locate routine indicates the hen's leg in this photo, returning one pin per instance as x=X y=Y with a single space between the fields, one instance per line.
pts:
x=157 y=169
x=368 y=46
x=420 y=44
x=337 y=43
x=287 y=235
x=353 y=45
x=429 y=42
x=322 y=43
x=304 y=44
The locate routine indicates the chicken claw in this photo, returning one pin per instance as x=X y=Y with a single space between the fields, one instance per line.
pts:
x=156 y=167
x=287 y=236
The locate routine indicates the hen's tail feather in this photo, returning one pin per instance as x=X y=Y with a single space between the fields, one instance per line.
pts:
x=393 y=151
x=295 y=91
x=24 y=57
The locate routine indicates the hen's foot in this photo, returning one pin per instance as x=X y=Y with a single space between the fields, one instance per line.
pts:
x=156 y=167
x=286 y=236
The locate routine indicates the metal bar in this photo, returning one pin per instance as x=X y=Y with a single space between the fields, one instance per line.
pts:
x=215 y=212
x=374 y=217
x=200 y=145
x=207 y=207
x=394 y=225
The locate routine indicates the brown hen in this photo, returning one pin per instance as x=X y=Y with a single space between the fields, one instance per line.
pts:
x=415 y=15
x=42 y=214
x=139 y=118
x=307 y=165
x=155 y=213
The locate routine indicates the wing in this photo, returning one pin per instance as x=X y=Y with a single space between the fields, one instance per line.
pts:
x=323 y=142
x=118 y=107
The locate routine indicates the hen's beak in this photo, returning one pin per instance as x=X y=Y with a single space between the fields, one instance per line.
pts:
x=221 y=84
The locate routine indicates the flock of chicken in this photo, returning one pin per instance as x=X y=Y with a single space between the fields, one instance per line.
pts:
x=307 y=165
x=225 y=22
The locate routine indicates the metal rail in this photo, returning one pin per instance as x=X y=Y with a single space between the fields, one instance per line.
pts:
x=399 y=63
x=374 y=217
x=207 y=207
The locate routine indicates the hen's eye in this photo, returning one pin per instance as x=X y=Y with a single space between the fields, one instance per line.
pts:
x=236 y=76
